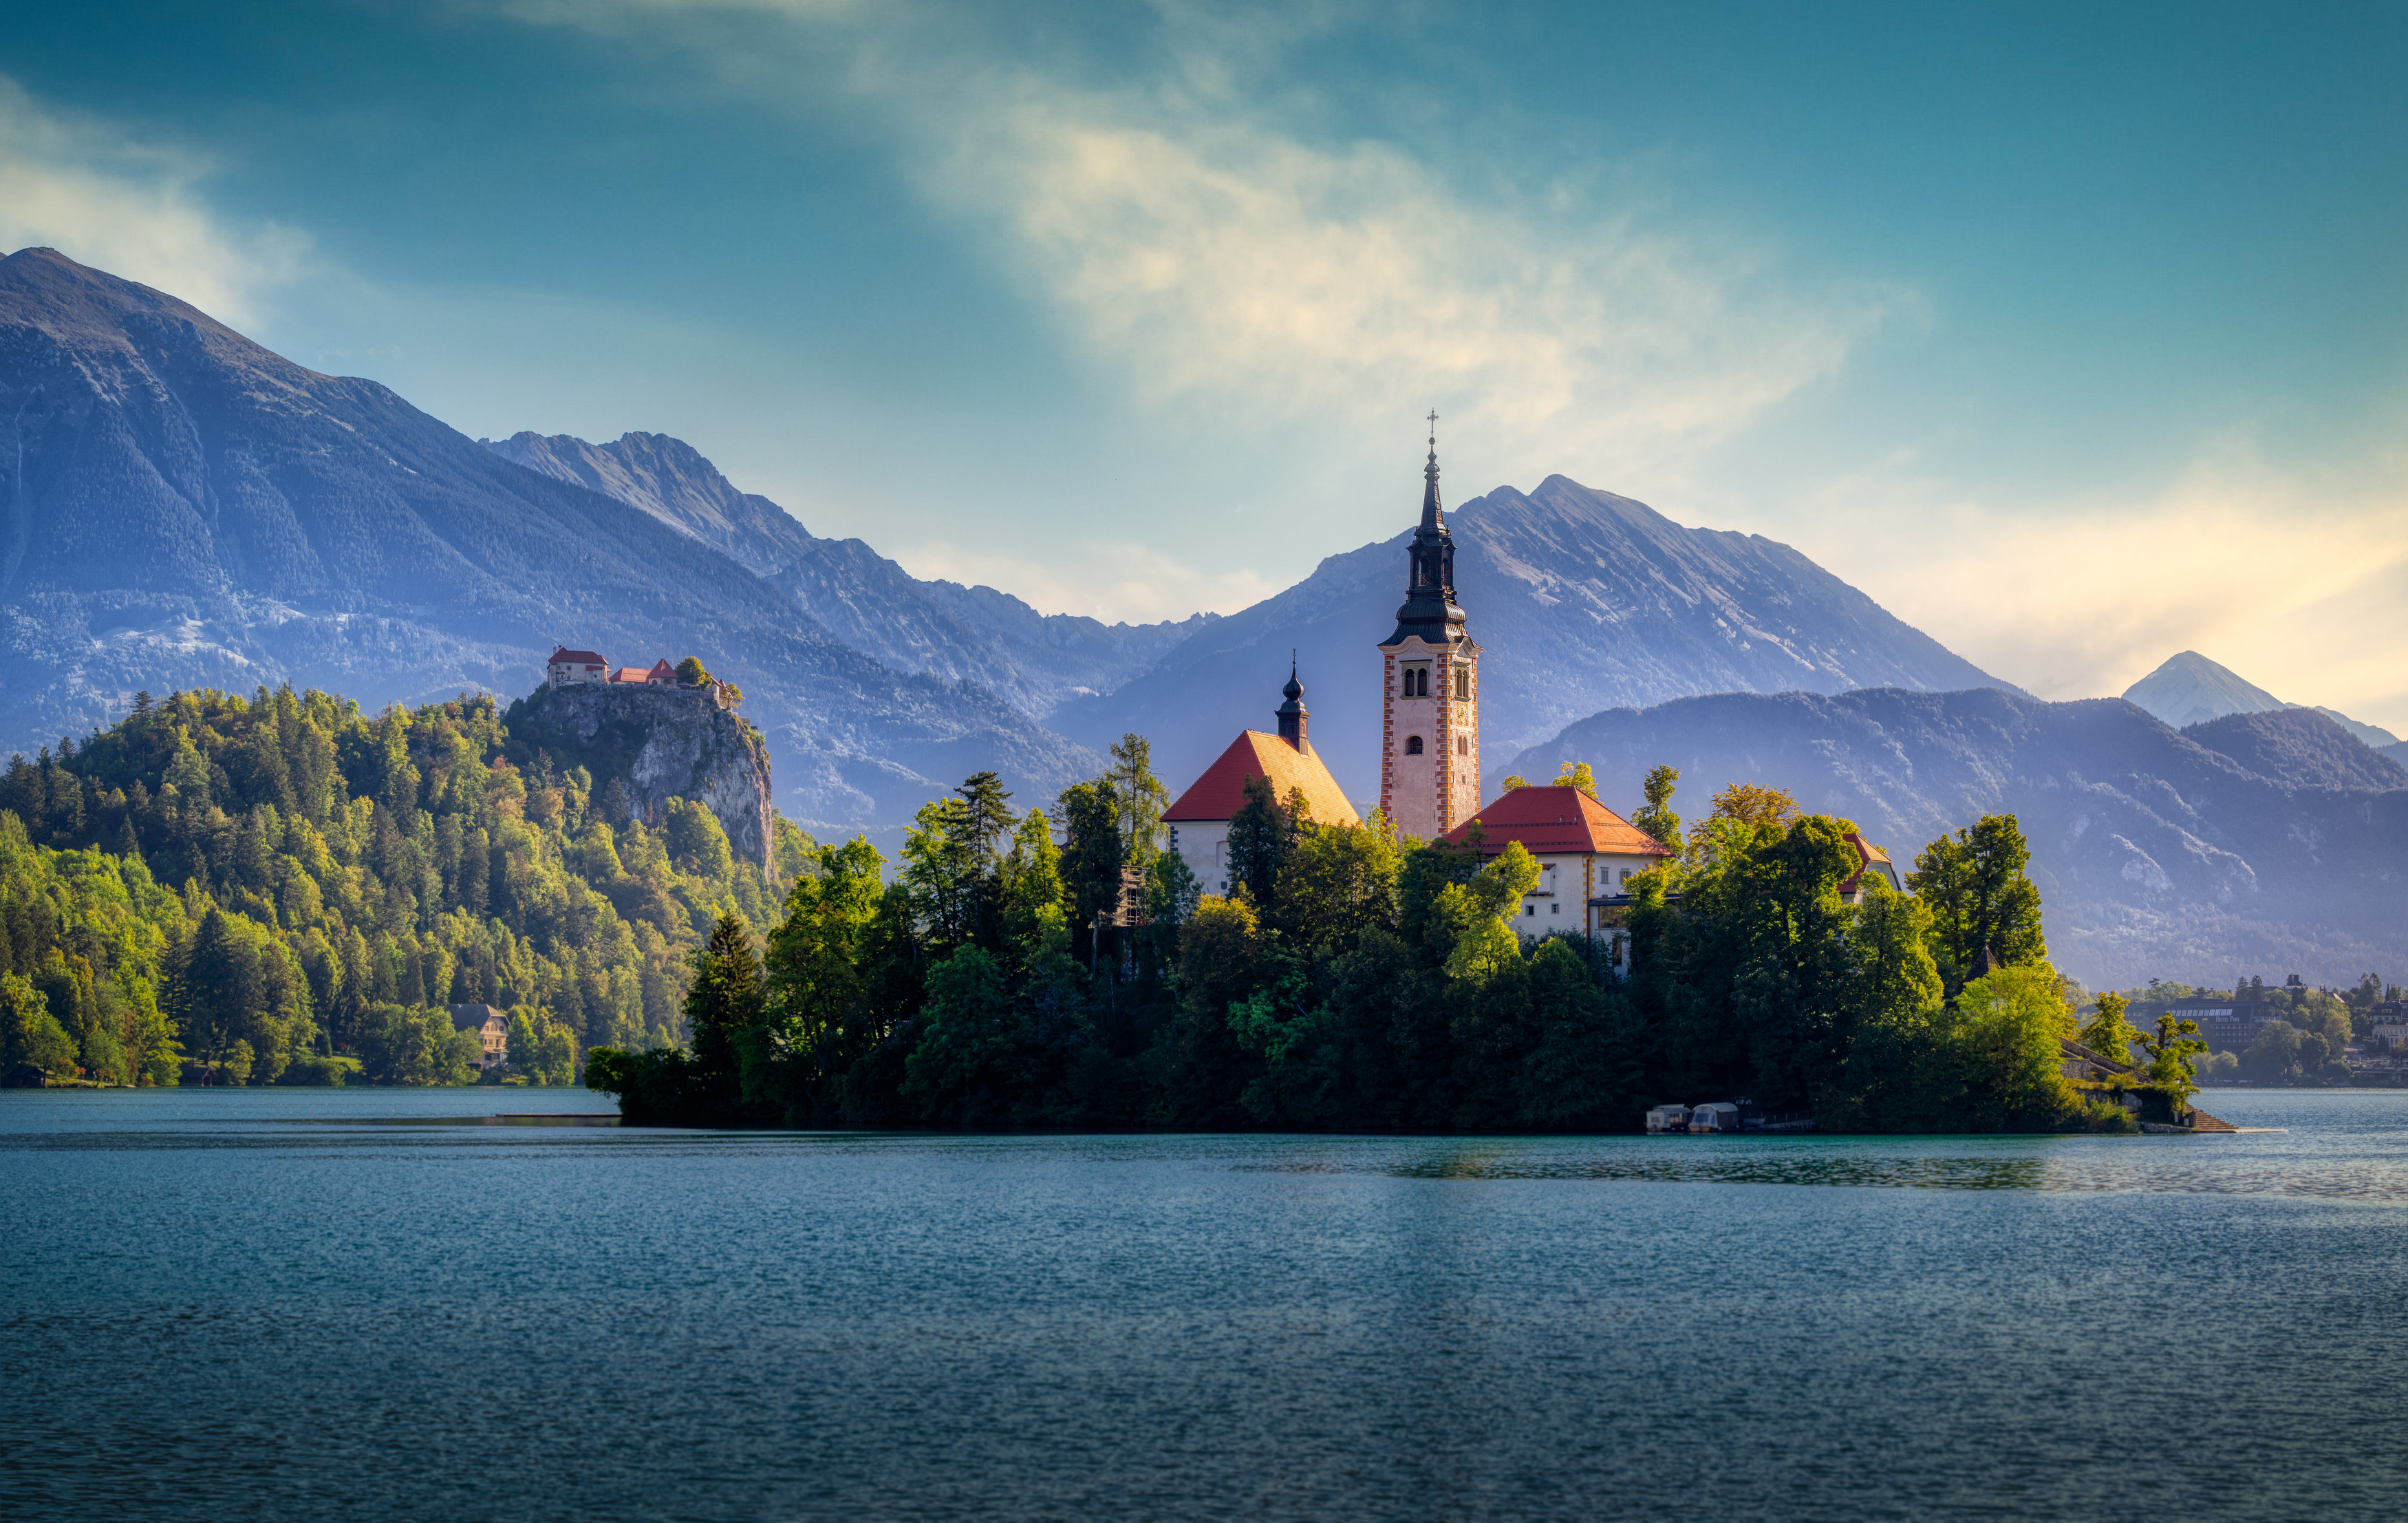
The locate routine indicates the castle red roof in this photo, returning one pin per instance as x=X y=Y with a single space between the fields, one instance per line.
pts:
x=1221 y=792
x=578 y=658
x=1555 y=819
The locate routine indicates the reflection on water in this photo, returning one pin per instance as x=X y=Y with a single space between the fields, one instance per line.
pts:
x=401 y=1305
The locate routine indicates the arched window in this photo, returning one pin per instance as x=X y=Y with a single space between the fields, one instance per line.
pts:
x=1412 y=745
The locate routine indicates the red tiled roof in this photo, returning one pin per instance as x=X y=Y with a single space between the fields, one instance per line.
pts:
x=1221 y=792
x=1557 y=820
x=1867 y=854
x=579 y=658
x=630 y=674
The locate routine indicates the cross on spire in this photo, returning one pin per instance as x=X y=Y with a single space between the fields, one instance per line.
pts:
x=1433 y=423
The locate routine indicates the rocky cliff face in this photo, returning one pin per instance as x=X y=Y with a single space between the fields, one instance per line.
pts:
x=661 y=743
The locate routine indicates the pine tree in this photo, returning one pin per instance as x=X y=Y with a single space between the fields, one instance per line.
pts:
x=1657 y=818
x=723 y=1005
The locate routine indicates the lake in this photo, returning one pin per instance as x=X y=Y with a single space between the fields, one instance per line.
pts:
x=369 y=1303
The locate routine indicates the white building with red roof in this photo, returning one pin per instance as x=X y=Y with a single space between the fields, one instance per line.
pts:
x=567 y=666
x=1198 y=819
x=1587 y=855
x=1873 y=862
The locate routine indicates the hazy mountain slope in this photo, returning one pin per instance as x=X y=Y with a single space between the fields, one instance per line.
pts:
x=669 y=479
x=2371 y=735
x=2157 y=856
x=2301 y=748
x=1579 y=600
x=2189 y=689
x=942 y=628
x=185 y=507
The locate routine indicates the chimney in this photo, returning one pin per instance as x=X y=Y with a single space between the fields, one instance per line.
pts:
x=1292 y=714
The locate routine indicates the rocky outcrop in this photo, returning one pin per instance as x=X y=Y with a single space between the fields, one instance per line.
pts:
x=180 y=507
x=660 y=743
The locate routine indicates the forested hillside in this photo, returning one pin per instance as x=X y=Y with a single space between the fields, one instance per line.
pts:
x=271 y=882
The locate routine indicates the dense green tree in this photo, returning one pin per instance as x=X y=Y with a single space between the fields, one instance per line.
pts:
x=1339 y=881
x=818 y=988
x=1262 y=834
x=1140 y=799
x=727 y=1008
x=1986 y=912
x=1091 y=866
x=2107 y=1032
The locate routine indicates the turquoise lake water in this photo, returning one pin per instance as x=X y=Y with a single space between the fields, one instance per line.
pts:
x=365 y=1303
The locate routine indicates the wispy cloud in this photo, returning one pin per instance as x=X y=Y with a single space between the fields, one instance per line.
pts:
x=105 y=197
x=1203 y=249
x=2296 y=578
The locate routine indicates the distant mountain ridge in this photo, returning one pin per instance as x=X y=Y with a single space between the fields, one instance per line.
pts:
x=1582 y=599
x=185 y=508
x=940 y=628
x=2189 y=689
x=2242 y=843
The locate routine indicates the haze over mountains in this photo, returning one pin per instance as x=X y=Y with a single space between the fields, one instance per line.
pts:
x=2188 y=688
x=1579 y=599
x=185 y=508
x=2247 y=844
x=942 y=628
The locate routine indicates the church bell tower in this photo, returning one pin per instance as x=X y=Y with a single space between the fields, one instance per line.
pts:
x=1430 y=770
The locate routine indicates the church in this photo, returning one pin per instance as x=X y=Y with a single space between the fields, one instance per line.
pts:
x=1429 y=763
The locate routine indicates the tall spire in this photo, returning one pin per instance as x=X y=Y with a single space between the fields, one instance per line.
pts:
x=1430 y=610
x=1433 y=517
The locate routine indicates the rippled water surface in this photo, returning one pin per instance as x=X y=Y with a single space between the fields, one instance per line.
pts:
x=306 y=1304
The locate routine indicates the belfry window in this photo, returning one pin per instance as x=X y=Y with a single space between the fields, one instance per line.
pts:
x=1412 y=745
x=1416 y=683
x=1463 y=684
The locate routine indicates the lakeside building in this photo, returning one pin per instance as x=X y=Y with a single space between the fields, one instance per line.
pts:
x=2225 y=1024
x=492 y=1029
x=1587 y=855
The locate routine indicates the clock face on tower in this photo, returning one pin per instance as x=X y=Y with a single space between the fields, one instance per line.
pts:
x=1429 y=766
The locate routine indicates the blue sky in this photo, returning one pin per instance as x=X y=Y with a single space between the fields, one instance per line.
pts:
x=2078 y=335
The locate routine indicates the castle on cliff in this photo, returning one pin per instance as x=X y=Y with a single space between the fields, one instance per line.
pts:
x=567 y=667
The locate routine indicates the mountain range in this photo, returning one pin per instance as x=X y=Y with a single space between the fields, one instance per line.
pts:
x=2254 y=843
x=2188 y=688
x=1581 y=600
x=185 y=508
x=939 y=628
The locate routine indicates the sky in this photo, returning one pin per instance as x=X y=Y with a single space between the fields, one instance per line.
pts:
x=2076 y=336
